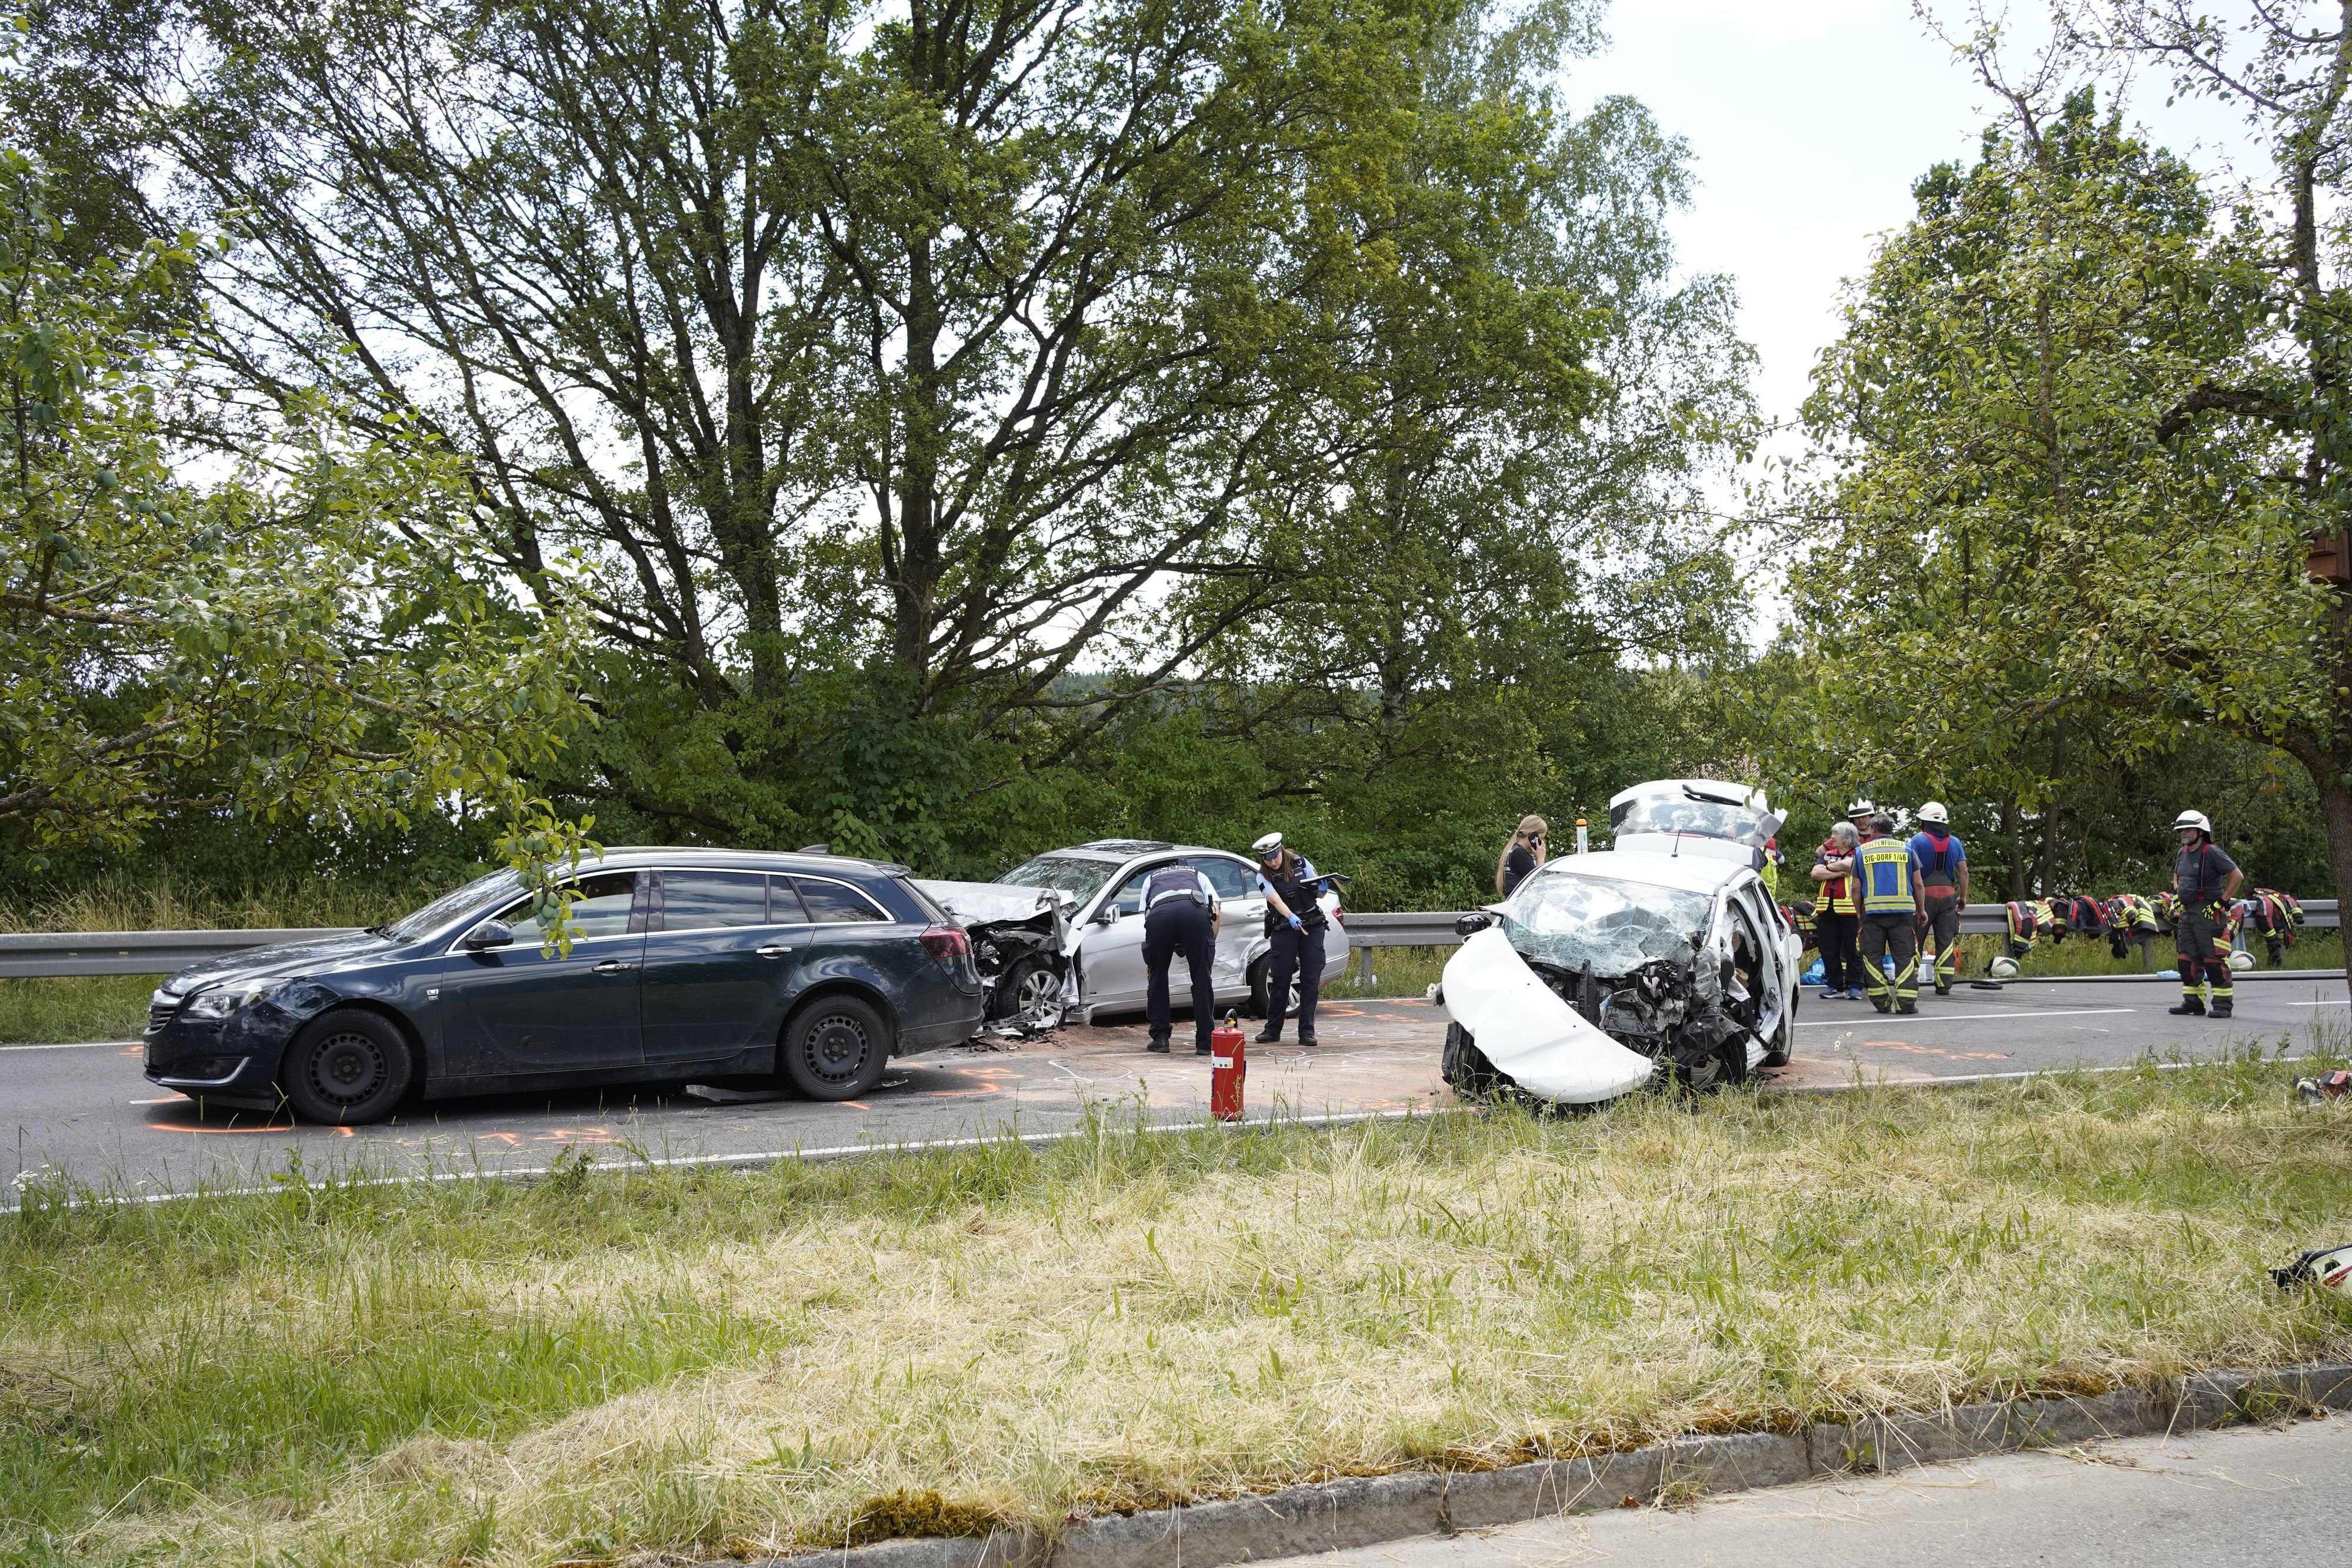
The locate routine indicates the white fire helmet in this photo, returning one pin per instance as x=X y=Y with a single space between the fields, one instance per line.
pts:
x=1933 y=811
x=2196 y=820
x=1862 y=808
x=2330 y=1267
x=2240 y=961
x=2004 y=967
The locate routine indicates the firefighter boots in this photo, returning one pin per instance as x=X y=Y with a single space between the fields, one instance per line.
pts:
x=2190 y=1007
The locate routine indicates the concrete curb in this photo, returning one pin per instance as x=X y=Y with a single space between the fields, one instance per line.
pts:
x=1369 y=1509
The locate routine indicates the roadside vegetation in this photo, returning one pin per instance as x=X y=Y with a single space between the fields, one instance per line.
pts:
x=613 y=1362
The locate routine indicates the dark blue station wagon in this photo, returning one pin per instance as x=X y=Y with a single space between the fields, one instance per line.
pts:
x=686 y=965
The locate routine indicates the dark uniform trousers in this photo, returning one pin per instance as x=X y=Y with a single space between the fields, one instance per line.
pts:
x=1944 y=925
x=1298 y=953
x=2202 y=936
x=1178 y=925
x=1893 y=933
x=1836 y=936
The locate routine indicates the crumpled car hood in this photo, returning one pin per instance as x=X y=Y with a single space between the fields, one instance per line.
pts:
x=1528 y=1033
x=979 y=903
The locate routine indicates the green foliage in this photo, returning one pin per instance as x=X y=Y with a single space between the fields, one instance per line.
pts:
x=305 y=635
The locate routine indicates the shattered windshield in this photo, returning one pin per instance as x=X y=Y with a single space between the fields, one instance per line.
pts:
x=1615 y=926
x=1080 y=876
x=1678 y=813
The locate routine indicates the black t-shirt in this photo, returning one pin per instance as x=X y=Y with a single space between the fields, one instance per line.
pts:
x=1515 y=869
x=2199 y=874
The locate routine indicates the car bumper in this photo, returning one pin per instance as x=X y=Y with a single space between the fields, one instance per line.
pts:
x=234 y=1060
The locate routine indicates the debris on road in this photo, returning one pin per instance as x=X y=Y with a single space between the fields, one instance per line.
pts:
x=2330 y=1266
x=2326 y=1086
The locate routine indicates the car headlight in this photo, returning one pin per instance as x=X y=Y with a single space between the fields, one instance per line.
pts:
x=223 y=1000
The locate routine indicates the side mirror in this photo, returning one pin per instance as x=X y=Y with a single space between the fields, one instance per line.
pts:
x=489 y=934
x=1471 y=923
x=1107 y=915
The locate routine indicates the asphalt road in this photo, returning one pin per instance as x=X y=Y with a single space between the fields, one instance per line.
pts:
x=88 y=1111
x=2248 y=1494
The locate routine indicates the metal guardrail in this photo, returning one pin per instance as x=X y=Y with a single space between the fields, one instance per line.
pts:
x=1435 y=928
x=55 y=955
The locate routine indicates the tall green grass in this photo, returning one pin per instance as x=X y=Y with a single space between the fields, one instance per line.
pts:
x=699 y=1363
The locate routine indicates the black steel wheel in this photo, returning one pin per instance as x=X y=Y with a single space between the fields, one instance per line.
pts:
x=834 y=1048
x=346 y=1069
x=1028 y=988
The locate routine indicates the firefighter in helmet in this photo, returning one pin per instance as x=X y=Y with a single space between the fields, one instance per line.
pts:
x=1893 y=910
x=2206 y=880
x=1943 y=883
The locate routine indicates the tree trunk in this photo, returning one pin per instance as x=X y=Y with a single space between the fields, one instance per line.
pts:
x=2013 y=829
x=2331 y=774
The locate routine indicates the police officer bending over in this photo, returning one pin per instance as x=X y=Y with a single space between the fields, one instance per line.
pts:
x=1295 y=923
x=1179 y=915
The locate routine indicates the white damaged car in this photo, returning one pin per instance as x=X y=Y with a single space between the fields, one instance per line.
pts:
x=1601 y=970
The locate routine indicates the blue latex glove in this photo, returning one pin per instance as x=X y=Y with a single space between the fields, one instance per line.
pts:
x=1295 y=925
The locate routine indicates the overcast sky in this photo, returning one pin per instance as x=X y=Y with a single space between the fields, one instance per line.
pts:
x=1808 y=120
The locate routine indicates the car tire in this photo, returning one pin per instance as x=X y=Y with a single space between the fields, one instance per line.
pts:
x=346 y=1069
x=834 y=1048
x=1026 y=986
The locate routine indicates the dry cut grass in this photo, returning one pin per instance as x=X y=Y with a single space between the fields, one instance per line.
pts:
x=619 y=1365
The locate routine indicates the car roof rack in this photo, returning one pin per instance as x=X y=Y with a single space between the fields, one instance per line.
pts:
x=1129 y=846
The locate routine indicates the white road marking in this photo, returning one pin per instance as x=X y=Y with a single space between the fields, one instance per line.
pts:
x=76 y=1045
x=1910 y=1019
x=2330 y=1002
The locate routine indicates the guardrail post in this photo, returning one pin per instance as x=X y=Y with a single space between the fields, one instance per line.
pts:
x=1364 y=967
x=2147 y=952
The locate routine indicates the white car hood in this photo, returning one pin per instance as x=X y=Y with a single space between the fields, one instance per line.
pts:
x=979 y=903
x=1528 y=1033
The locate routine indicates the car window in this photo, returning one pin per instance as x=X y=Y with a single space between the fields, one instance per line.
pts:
x=784 y=905
x=1131 y=892
x=1230 y=878
x=931 y=907
x=450 y=906
x=707 y=900
x=1080 y=876
x=835 y=903
x=602 y=909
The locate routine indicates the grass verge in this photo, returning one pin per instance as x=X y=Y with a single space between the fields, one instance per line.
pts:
x=607 y=1364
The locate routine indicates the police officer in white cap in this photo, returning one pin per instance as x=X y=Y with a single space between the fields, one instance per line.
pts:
x=1295 y=926
x=1179 y=915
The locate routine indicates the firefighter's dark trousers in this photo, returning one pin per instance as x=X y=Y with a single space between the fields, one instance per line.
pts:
x=1841 y=962
x=1298 y=953
x=2202 y=936
x=1884 y=934
x=1179 y=925
x=1944 y=930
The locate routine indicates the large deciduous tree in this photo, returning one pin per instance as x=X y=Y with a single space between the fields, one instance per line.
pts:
x=306 y=633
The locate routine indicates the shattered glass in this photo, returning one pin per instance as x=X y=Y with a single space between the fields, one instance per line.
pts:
x=1616 y=926
x=1680 y=813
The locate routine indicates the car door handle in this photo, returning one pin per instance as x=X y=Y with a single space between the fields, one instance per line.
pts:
x=613 y=966
x=774 y=950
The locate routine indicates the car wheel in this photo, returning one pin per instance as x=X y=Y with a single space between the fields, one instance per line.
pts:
x=1465 y=1067
x=346 y=1069
x=1025 y=989
x=835 y=1049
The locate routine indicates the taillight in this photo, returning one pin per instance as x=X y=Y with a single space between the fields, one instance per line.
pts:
x=947 y=943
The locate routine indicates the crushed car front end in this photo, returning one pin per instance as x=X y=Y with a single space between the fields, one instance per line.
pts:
x=1684 y=964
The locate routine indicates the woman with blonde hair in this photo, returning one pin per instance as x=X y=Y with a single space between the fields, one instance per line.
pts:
x=1522 y=853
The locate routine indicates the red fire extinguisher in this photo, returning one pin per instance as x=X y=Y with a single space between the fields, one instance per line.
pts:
x=1227 y=1068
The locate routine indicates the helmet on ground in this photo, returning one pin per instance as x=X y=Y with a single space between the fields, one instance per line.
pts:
x=2240 y=961
x=2003 y=967
x=2196 y=820
x=2330 y=1267
x=1862 y=808
x=1933 y=811
x=1267 y=846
